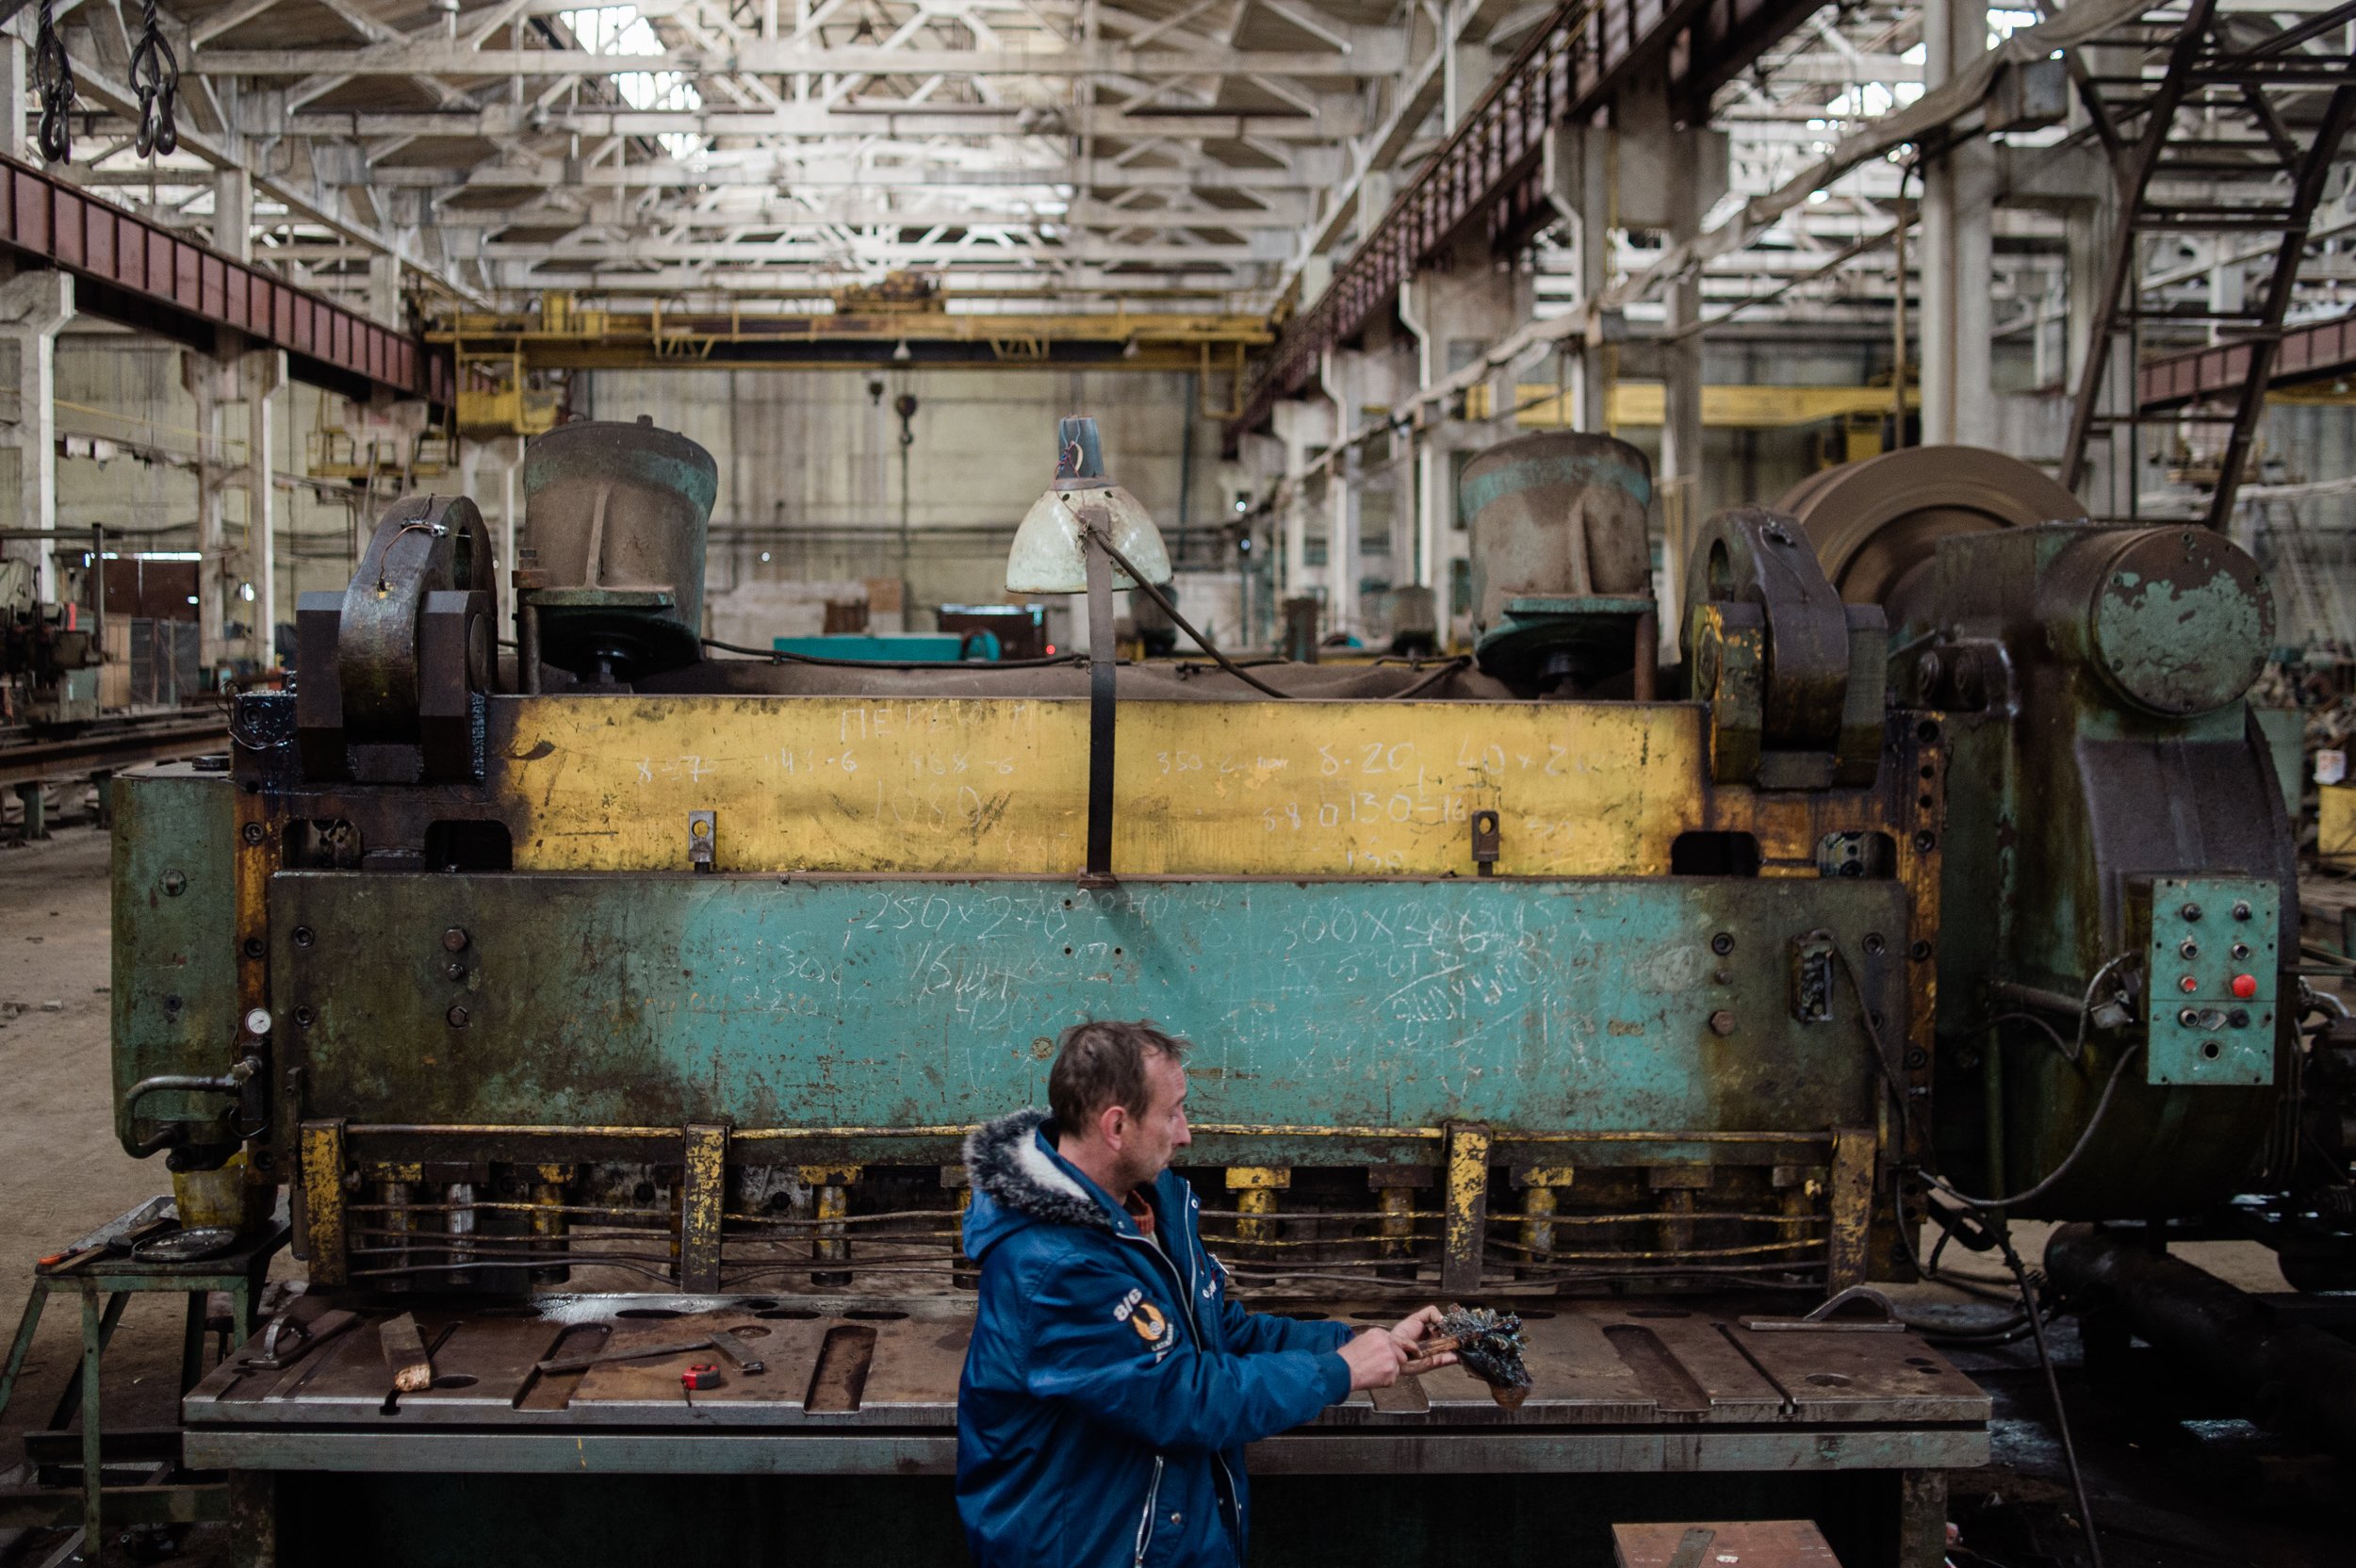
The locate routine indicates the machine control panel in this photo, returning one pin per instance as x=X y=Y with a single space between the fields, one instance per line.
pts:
x=2213 y=963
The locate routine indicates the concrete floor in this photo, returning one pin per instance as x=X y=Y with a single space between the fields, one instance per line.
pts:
x=2180 y=1481
x=66 y=1174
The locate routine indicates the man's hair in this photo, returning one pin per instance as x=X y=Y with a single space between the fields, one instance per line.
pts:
x=1102 y=1063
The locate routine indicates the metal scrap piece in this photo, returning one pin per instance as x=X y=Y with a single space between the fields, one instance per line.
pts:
x=405 y=1353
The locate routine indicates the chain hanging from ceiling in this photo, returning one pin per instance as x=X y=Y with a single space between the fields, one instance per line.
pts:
x=156 y=77
x=53 y=81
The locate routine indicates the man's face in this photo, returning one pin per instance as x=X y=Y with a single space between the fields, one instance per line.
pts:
x=1149 y=1142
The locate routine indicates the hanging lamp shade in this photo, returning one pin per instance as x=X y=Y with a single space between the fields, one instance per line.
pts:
x=1046 y=558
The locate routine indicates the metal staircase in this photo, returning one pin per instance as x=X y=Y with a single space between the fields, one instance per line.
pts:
x=2218 y=125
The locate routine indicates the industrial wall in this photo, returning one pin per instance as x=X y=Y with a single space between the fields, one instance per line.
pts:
x=811 y=475
x=811 y=465
x=131 y=446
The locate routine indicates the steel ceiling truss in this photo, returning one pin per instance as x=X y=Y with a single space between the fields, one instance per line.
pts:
x=1201 y=155
x=1092 y=145
x=1489 y=169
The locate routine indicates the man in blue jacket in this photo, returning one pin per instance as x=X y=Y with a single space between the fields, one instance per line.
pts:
x=1113 y=1381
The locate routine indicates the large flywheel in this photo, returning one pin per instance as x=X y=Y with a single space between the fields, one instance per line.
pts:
x=1876 y=524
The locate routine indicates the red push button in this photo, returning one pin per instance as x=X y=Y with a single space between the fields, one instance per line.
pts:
x=2244 y=986
x=2188 y=984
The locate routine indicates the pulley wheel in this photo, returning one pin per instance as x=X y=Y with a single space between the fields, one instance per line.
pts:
x=1876 y=524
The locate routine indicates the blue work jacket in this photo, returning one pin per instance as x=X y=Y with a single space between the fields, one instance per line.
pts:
x=1110 y=1388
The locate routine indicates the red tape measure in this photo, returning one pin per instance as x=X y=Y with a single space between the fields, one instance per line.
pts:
x=702 y=1374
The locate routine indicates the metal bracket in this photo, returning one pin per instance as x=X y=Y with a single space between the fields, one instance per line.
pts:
x=1465 y=1228
x=1485 y=840
x=1104 y=659
x=703 y=1187
x=703 y=830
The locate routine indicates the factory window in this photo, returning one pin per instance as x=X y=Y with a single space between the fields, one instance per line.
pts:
x=1714 y=855
x=469 y=847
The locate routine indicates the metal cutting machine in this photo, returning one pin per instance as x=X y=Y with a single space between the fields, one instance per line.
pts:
x=595 y=1000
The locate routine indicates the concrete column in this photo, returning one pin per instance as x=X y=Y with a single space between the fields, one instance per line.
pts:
x=217 y=568
x=1667 y=177
x=1343 y=375
x=262 y=374
x=1596 y=361
x=233 y=213
x=15 y=89
x=1306 y=428
x=1958 y=202
x=1464 y=76
x=385 y=292
x=2087 y=231
x=1580 y=179
x=2227 y=281
x=215 y=381
x=33 y=305
x=1458 y=311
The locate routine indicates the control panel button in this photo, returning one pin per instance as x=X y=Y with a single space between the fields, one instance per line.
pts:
x=2245 y=986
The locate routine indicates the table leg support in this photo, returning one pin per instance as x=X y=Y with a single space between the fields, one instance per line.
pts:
x=252 y=1519
x=1921 y=1518
x=25 y=1326
x=93 y=1470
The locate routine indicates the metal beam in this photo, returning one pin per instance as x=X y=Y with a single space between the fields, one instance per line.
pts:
x=325 y=207
x=817 y=119
x=132 y=270
x=1377 y=52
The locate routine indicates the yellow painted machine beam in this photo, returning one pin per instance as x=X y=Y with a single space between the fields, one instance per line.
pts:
x=1000 y=787
x=1640 y=402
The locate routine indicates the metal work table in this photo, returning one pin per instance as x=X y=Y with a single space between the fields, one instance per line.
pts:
x=869 y=1387
x=104 y=1263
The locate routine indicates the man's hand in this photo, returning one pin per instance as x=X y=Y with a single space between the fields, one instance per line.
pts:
x=1412 y=1331
x=1373 y=1358
x=1378 y=1358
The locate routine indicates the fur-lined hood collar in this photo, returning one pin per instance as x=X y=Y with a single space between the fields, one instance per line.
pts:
x=1016 y=1179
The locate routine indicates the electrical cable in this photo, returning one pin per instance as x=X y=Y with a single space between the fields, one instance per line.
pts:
x=779 y=655
x=2052 y=1392
x=1168 y=609
x=1436 y=677
x=1990 y=1212
x=2085 y=1139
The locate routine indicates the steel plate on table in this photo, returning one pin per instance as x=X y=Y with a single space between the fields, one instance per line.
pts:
x=895 y=1364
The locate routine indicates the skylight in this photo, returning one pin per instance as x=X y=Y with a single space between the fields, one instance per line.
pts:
x=620 y=30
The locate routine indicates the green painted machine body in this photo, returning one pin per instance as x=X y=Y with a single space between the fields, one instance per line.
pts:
x=1561 y=1007
x=174 y=997
x=2092 y=765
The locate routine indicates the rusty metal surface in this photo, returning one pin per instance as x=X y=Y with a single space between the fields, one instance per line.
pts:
x=1749 y=1542
x=2066 y=797
x=139 y=272
x=615 y=506
x=821 y=1002
x=1556 y=513
x=895 y=1364
x=1876 y=524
